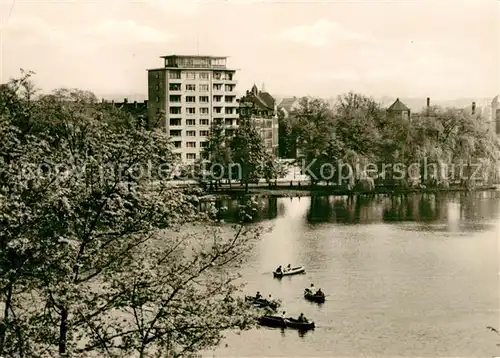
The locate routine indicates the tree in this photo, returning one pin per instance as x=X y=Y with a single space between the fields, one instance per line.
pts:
x=287 y=135
x=218 y=155
x=273 y=169
x=316 y=138
x=358 y=121
x=20 y=205
x=452 y=136
x=249 y=152
x=92 y=255
x=315 y=125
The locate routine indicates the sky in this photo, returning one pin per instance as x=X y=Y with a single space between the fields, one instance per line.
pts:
x=437 y=48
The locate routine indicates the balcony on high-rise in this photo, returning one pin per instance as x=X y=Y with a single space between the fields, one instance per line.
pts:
x=230 y=99
x=174 y=99
x=174 y=75
x=175 y=109
x=218 y=87
x=231 y=112
x=175 y=122
x=175 y=133
x=174 y=87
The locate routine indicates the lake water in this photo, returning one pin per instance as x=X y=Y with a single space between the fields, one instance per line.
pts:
x=404 y=276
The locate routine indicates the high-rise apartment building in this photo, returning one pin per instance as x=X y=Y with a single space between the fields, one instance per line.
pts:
x=188 y=95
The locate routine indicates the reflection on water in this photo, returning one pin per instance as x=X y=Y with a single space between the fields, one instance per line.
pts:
x=414 y=275
x=270 y=208
x=425 y=208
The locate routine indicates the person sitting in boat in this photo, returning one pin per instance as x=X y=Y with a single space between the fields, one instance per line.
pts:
x=283 y=314
x=258 y=296
x=288 y=268
x=319 y=292
x=309 y=290
x=278 y=270
x=302 y=318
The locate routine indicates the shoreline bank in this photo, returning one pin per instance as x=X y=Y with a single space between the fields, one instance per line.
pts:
x=281 y=192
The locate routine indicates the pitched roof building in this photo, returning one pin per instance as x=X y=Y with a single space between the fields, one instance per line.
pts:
x=261 y=107
x=399 y=109
x=287 y=105
x=262 y=102
x=135 y=108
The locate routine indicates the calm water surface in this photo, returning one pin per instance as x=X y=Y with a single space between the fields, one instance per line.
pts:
x=404 y=276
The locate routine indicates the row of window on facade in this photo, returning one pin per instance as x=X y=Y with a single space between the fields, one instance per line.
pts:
x=189 y=122
x=265 y=123
x=192 y=156
x=201 y=99
x=204 y=76
x=178 y=144
x=189 y=133
x=201 y=87
x=202 y=122
x=203 y=110
x=256 y=112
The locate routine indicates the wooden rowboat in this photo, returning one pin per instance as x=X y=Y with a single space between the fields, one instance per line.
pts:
x=279 y=322
x=314 y=297
x=295 y=323
x=293 y=271
x=262 y=302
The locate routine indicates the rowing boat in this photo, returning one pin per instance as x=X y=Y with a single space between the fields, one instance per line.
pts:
x=293 y=271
